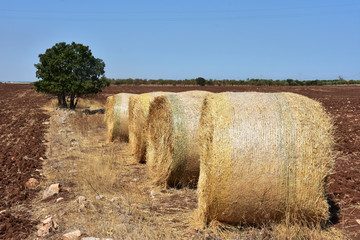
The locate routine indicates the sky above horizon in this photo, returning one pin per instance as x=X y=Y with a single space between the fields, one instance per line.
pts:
x=231 y=39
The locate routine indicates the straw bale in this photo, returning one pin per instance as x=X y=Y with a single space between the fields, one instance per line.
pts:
x=264 y=157
x=172 y=147
x=109 y=112
x=118 y=118
x=196 y=92
x=138 y=113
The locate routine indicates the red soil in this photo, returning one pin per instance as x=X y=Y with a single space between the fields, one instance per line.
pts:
x=21 y=139
x=22 y=136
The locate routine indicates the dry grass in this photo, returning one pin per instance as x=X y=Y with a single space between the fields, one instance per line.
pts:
x=119 y=202
x=83 y=103
x=301 y=232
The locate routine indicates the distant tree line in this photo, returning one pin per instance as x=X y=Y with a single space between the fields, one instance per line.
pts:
x=227 y=82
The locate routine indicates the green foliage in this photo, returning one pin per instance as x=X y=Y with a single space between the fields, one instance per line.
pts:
x=69 y=71
x=200 y=81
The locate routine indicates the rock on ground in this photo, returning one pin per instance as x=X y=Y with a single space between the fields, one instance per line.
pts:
x=72 y=235
x=51 y=190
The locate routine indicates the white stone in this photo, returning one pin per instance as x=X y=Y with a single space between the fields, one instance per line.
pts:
x=152 y=193
x=51 y=190
x=46 y=227
x=100 y=196
x=72 y=235
x=81 y=199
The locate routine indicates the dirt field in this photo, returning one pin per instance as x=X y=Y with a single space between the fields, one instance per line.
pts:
x=21 y=139
x=22 y=136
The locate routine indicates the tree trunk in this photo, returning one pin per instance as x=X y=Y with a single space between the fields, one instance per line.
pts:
x=77 y=99
x=63 y=101
x=59 y=100
x=72 y=101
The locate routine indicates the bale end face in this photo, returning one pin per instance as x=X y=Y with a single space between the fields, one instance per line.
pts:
x=109 y=112
x=121 y=117
x=117 y=117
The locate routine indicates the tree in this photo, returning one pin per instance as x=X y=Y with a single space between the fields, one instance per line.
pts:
x=200 y=81
x=69 y=71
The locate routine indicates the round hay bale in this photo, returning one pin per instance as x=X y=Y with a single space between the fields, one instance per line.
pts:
x=138 y=113
x=109 y=113
x=196 y=92
x=172 y=134
x=264 y=157
x=132 y=125
x=118 y=118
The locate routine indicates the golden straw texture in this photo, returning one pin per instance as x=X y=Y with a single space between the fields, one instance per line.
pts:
x=264 y=157
x=138 y=113
x=172 y=140
x=109 y=119
x=118 y=116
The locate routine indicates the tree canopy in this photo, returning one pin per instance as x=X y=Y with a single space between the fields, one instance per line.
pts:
x=69 y=71
x=200 y=81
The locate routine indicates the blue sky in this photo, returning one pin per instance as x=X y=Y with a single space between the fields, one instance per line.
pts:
x=224 y=39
